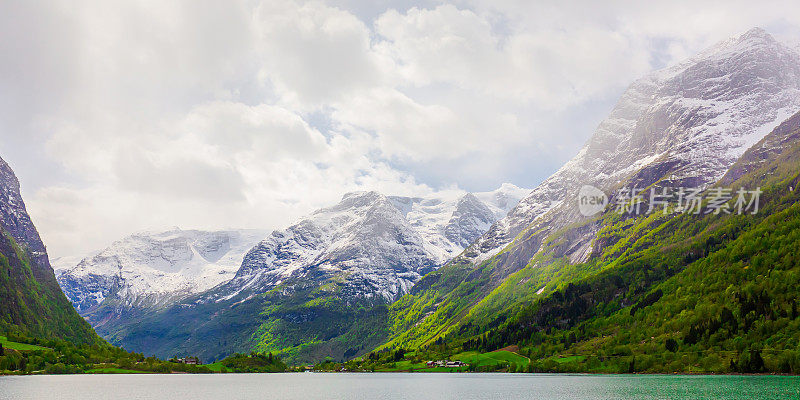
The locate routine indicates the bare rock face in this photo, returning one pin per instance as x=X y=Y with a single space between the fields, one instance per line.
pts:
x=785 y=135
x=16 y=220
x=470 y=220
x=683 y=126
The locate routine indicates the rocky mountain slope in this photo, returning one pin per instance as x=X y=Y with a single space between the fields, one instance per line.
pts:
x=687 y=123
x=31 y=303
x=683 y=126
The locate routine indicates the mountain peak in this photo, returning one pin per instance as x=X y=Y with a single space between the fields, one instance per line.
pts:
x=361 y=195
x=756 y=33
x=469 y=197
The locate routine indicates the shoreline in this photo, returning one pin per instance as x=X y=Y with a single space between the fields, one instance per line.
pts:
x=687 y=374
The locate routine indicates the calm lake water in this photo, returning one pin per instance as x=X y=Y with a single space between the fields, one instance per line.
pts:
x=306 y=386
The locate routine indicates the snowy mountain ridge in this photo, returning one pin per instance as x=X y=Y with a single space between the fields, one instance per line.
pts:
x=150 y=270
x=382 y=244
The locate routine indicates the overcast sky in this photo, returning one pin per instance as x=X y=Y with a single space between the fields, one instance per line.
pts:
x=119 y=116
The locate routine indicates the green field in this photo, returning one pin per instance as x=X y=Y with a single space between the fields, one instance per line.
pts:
x=500 y=357
x=112 y=370
x=19 y=346
x=562 y=360
x=406 y=365
x=216 y=367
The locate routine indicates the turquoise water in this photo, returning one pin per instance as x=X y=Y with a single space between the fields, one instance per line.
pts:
x=308 y=386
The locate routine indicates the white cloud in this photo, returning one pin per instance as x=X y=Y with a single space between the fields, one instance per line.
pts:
x=443 y=44
x=553 y=69
x=124 y=116
x=411 y=131
x=315 y=54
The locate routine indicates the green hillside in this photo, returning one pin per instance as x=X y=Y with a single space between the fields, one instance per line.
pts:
x=35 y=307
x=312 y=323
x=316 y=323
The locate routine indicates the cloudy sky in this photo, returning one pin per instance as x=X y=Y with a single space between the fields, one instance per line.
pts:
x=120 y=116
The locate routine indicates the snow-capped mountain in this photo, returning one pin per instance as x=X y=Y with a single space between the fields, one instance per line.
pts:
x=686 y=124
x=143 y=293
x=153 y=269
x=369 y=246
x=380 y=244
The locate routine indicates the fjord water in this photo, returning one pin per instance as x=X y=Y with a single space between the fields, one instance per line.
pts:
x=397 y=386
